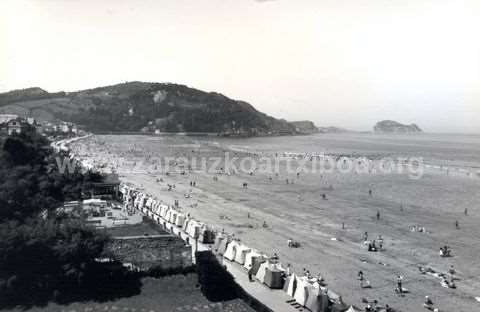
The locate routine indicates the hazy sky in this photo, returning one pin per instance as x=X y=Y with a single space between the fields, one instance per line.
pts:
x=347 y=63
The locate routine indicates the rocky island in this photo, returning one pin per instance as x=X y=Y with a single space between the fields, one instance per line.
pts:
x=390 y=126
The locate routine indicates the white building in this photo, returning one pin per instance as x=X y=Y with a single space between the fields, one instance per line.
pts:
x=4 y=118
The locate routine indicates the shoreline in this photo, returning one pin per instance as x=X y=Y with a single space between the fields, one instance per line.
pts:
x=295 y=211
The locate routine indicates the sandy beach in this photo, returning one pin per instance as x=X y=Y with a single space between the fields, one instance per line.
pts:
x=331 y=229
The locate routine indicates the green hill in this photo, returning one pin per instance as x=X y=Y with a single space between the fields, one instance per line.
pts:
x=142 y=106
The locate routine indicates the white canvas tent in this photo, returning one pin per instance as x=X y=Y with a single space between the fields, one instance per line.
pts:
x=173 y=217
x=185 y=224
x=193 y=228
x=241 y=254
x=261 y=272
x=163 y=211
x=301 y=292
x=249 y=258
x=291 y=285
x=180 y=220
x=231 y=251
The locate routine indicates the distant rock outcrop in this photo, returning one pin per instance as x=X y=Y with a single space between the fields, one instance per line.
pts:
x=390 y=126
x=308 y=127
x=332 y=130
x=304 y=126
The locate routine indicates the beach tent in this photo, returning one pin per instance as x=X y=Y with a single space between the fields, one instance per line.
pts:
x=340 y=307
x=241 y=254
x=352 y=309
x=173 y=217
x=193 y=229
x=249 y=258
x=185 y=224
x=153 y=205
x=141 y=202
x=164 y=210
x=292 y=285
x=314 y=299
x=231 y=251
x=301 y=291
x=197 y=228
x=257 y=262
x=261 y=271
x=274 y=277
x=333 y=296
x=287 y=282
x=180 y=220
x=317 y=300
x=217 y=243
x=167 y=215
x=189 y=226
x=207 y=236
x=222 y=246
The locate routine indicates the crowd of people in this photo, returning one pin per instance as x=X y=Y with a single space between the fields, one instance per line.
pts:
x=374 y=245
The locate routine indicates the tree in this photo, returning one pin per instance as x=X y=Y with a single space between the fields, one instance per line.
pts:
x=31 y=182
x=42 y=257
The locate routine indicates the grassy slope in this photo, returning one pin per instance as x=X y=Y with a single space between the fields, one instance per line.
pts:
x=135 y=105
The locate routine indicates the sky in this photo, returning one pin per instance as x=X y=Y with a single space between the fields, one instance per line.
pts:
x=346 y=63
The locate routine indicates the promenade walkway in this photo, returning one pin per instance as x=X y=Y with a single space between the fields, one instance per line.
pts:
x=274 y=299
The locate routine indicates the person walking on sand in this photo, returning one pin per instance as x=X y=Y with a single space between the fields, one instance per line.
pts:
x=360 y=278
x=428 y=303
x=250 y=273
x=452 y=272
x=399 y=283
x=378 y=215
x=365 y=236
x=380 y=242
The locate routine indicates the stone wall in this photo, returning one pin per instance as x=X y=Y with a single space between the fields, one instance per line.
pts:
x=160 y=252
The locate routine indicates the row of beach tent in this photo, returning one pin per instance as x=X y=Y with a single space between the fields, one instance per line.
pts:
x=164 y=214
x=306 y=293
